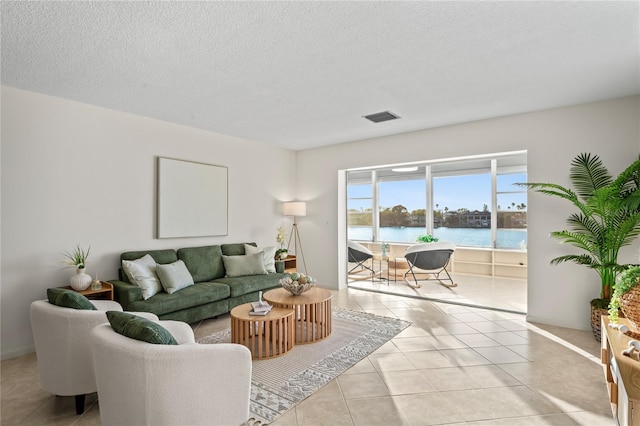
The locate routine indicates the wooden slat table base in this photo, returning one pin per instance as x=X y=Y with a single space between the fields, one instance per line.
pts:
x=312 y=312
x=266 y=336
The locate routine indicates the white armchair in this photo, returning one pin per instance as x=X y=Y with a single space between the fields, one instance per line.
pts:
x=189 y=384
x=61 y=338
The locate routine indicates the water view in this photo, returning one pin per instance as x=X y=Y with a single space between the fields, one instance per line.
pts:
x=470 y=237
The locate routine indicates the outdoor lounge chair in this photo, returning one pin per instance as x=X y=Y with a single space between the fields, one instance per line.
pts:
x=430 y=257
x=359 y=254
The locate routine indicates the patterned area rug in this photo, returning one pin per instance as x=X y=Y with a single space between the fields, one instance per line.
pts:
x=279 y=384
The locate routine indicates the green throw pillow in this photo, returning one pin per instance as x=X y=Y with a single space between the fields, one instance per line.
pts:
x=69 y=299
x=139 y=328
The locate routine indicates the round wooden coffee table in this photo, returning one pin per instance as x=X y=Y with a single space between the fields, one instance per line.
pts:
x=312 y=312
x=266 y=336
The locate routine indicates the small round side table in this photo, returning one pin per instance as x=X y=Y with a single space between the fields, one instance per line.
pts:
x=266 y=336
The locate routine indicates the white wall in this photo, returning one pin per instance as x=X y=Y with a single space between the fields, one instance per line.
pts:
x=74 y=173
x=78 y=174
x=556 y=294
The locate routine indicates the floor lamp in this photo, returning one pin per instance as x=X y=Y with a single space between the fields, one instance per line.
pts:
x=296 y=208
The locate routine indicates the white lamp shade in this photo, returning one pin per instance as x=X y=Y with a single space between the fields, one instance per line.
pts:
x=295 y=208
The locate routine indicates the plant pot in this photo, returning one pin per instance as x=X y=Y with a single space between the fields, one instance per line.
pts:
x=596 y=321
x=80 y=281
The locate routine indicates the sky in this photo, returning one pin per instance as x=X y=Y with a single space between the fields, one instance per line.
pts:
x=469 y=191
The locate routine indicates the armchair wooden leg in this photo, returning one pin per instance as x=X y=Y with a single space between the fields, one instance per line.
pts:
x=79 y=404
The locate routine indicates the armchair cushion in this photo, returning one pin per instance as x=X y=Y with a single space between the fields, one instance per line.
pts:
x=69 y=299
x=358 y=247
x=139 y=328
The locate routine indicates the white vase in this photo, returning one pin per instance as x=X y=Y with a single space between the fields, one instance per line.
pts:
x=81 y=280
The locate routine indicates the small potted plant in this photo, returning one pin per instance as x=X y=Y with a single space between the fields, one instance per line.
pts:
x=427 y=238
x=282 y=252
x=78 y=259
x=626 y=297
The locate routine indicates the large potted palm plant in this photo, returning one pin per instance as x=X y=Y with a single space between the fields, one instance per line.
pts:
x=608 y=218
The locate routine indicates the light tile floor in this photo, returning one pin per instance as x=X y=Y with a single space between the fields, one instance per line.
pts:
x=454 y=365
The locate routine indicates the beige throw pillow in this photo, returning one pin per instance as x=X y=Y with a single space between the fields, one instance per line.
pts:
x=142 y=272
x=269 y=255
x=174 y=276
x=250 y=264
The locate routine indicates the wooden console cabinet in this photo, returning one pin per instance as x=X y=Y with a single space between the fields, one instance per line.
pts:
x=622 y=374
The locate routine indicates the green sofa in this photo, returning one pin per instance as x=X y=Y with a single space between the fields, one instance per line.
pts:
x=212 y=294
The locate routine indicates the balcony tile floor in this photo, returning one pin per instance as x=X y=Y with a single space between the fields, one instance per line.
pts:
x=508 y=294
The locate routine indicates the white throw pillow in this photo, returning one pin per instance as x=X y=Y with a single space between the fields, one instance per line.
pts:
x=142 y=272
x=250 y=264
x=174 y=276
x=269 y=255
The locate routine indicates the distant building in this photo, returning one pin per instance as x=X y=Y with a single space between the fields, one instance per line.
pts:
x=417 y=220
x=475 y=219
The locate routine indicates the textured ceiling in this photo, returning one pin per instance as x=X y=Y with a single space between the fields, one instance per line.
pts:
x=302 y=74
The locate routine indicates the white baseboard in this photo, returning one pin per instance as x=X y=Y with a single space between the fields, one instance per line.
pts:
x=554 y=322
x=17 y=352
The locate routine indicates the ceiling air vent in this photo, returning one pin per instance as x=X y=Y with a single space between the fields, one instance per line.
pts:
x=379 y=117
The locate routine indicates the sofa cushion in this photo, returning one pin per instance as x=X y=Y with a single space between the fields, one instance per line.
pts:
x=269 y=255
x=174 y=276
x=160 y=256
x=139 y=328
x=195 y=295
x=249 y=264
x=250 y=283
x=142 y=272
x=204 y=263
x=236 y=249
x=69 y=299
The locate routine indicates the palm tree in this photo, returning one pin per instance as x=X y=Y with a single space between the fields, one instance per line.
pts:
x=608 y=216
